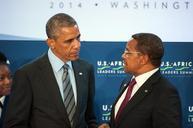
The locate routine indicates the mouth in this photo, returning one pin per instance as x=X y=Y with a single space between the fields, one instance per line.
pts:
x=75 y=54
x=7 y=88
x=124 y=62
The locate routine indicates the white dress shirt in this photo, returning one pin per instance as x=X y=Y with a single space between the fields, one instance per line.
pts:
x=57 y=66
x=140 y=80
x=2 y=99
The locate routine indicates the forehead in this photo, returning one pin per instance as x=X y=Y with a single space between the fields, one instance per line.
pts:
x=131 y=44
x=69 y=30
x=66 y=33
x=3 y=68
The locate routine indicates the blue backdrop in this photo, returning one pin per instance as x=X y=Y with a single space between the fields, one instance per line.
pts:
x=177 y=66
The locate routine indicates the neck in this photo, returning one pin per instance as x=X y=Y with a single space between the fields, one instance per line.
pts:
x=145 y=69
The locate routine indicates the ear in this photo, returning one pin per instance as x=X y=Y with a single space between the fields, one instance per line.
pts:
x=50 y=43
x=144 y=59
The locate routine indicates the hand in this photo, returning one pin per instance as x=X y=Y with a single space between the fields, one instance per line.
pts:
x=104 y=125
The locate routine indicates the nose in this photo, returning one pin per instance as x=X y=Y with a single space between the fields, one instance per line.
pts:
x=77 y=43
x=7 y=81
x=123 y=56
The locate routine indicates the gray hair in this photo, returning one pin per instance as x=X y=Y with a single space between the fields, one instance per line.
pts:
x=58 y=21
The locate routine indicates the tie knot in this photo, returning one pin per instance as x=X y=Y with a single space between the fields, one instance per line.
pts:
x=65 y=66
x=132 y=82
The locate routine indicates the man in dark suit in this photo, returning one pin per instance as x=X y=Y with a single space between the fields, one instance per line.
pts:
x=5 y=85
x=39 y=99
x=152 y=101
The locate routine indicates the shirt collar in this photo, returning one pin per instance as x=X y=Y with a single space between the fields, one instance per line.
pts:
x=2 y=99
x=56 y=62
x=143 y=77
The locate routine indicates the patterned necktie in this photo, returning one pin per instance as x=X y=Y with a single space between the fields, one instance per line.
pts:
x=127 y=98
x=69 y=100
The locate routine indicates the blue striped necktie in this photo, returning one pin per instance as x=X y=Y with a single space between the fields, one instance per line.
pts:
x=69 y=100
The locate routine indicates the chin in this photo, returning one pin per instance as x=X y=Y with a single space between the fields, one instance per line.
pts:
x=126 y=71
x=75 y=58
x=6 y=92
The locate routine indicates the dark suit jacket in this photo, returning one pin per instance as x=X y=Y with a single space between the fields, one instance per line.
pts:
x=35 y=100
x=3 y=111
x=155 y=105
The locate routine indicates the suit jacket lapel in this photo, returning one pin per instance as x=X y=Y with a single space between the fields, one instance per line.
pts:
x=124 y=86
x=3 y=110
x=78 y=73
x=143 y=91
x=51 y=86
x=122 y=89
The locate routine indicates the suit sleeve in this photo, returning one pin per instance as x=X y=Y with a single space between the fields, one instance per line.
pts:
x=167 y=113
x=19 y=105
x=90 y=114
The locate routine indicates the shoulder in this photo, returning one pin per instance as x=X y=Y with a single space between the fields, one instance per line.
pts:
x=161 y=82
x=166 y=83
x=83 y=63
x=165 y=88
x=34 y=64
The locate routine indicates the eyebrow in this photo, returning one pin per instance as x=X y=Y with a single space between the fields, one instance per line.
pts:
x=78 y=36
x=127 y=49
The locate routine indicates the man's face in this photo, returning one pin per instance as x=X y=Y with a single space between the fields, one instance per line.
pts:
x=131 y=58
x=67 y=45
x=5 y=80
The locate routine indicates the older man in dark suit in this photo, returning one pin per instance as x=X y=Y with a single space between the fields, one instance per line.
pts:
x=148 y=100
x=56 y=90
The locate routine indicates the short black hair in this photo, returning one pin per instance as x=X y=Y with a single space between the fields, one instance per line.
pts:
x=150 y=44
x=3 y=58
